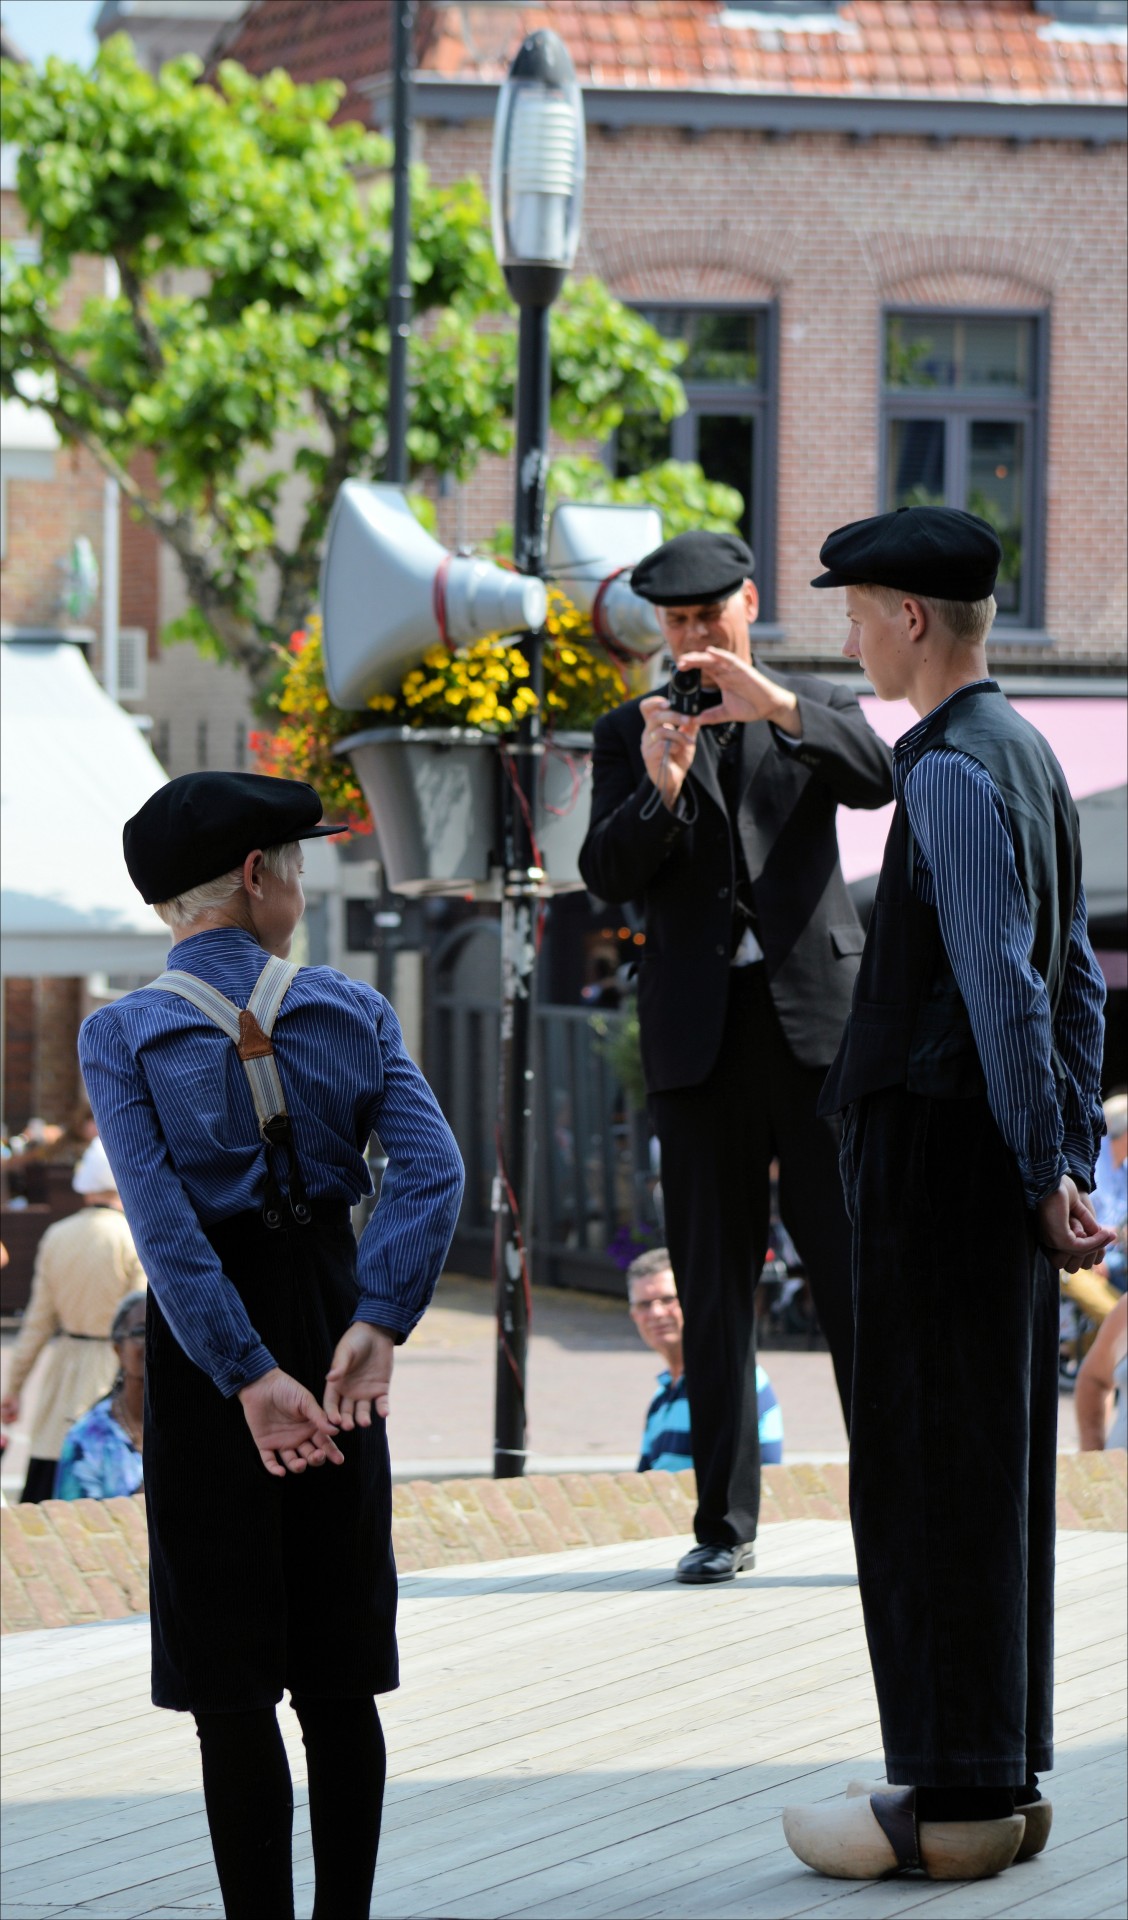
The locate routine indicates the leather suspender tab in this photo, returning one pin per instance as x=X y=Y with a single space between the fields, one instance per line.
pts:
x=253 y=1043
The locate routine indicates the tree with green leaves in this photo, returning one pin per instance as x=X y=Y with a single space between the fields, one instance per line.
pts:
x=251 y=240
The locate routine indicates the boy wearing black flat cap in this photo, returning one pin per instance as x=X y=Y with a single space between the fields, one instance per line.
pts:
x=969 y=1079
x=727 y=839
x=235 y=1097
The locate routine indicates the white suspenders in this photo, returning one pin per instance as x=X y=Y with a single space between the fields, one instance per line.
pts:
x=250 y=1028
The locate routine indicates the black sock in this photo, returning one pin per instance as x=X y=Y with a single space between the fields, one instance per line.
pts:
x=964 y=1803
x=1027 y=1794
x=250 y=1807
x=346 y=1764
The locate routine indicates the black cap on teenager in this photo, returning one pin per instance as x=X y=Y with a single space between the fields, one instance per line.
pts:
x=940 y=552
x=202 y=825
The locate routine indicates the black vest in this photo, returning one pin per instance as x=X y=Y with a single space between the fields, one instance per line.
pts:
x=908 y=1025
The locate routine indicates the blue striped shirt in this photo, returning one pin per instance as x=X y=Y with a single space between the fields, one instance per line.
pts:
x=666 y=1445
x=965 y=867
x=175 y=1114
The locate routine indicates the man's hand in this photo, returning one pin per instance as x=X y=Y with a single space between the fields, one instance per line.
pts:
x=10 y=1408
x=358 y=1382
x=1069 y=1229
x=669 y=742
x=748 y=694
x=287 y=1426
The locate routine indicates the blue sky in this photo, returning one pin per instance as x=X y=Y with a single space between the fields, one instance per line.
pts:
x=40 y=27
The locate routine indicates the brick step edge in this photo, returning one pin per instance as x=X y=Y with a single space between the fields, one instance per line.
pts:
x=66 y=1563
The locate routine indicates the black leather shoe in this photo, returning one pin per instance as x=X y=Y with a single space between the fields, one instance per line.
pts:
x=707 y=1566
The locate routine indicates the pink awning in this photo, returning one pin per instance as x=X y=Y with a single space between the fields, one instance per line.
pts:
x=1088 y=735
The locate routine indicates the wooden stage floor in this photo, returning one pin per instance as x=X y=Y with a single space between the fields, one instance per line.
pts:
x=577 y=1737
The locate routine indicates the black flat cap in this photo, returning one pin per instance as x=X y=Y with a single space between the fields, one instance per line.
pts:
x=939 y=551
x=202 y=825
x=691 y=568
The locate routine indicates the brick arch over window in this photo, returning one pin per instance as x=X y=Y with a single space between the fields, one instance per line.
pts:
x=695 y=285
x=716 y=260
x=957 y=287
x=1013 y=268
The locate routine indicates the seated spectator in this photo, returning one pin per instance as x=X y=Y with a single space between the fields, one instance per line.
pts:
x=84 y=1266
x=1110 y=1190
x=1105 y=1373
x=101 y=1455
x=656 y=1312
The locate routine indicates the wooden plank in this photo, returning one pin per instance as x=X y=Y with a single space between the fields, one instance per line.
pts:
x=637 y=1764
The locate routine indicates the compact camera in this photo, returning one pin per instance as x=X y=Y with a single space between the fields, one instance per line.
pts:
x=685 y=693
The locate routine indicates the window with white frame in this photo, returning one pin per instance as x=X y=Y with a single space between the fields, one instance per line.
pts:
x=963 y=425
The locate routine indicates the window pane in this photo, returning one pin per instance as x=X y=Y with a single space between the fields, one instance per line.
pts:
x=725 y=448
x=997 y=353
x=995 y=492
x=922 y=350
x=919 y=351
x=914 y=465
x=724 y=347
x=640 y=442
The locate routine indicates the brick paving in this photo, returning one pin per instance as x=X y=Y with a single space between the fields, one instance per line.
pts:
x=65 y=1563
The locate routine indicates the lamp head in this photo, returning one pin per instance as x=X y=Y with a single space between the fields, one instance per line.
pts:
x=537 y=174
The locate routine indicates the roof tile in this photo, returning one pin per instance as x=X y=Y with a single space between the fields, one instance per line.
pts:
x=944 y=48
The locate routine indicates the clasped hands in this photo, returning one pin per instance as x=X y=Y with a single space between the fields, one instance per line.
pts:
x=292 y=1431
x=1069 y=1230
x=669 y=740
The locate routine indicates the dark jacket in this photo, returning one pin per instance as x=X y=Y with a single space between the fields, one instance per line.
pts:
x=909 y=1026
x=682 y=873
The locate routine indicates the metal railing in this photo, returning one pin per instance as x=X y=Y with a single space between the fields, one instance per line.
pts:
x=593 y=1176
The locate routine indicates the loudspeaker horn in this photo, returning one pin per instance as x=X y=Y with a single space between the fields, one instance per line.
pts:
x=591 y=552
x=389 y=591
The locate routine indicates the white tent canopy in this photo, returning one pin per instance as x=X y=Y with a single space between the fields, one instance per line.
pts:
x=73 y=767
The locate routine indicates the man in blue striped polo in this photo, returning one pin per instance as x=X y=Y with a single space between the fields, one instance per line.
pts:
x=656 y=1312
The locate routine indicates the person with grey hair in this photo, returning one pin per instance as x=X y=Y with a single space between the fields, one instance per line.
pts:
x=101 y=1455
x=237 y=1095
x=1110 y=1194
x=84 y=1266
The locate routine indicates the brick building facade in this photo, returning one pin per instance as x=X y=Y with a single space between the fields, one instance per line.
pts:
x=854 y=184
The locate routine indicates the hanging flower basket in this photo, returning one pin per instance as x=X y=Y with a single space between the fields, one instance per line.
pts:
x=434 y=798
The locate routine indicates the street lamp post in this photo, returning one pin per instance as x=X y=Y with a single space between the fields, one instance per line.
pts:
x=399 y=297
x=537 y=187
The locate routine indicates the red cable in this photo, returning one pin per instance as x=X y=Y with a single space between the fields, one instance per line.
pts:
x=438 y=600
x=507 y=762
x=561 y=813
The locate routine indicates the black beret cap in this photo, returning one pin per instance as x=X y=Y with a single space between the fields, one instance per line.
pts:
x=939 y=551
x=692 y=568
x=202 y=825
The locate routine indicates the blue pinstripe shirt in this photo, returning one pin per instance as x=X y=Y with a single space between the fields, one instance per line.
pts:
x=965 y=867
x=176 y=1117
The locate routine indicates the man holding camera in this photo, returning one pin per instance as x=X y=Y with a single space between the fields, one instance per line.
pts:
x=726 y=837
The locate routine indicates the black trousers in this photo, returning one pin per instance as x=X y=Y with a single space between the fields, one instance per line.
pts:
x=953 y=1442
x=718 y=1141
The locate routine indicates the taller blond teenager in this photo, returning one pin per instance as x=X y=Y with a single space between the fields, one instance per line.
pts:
x=968 y=1077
